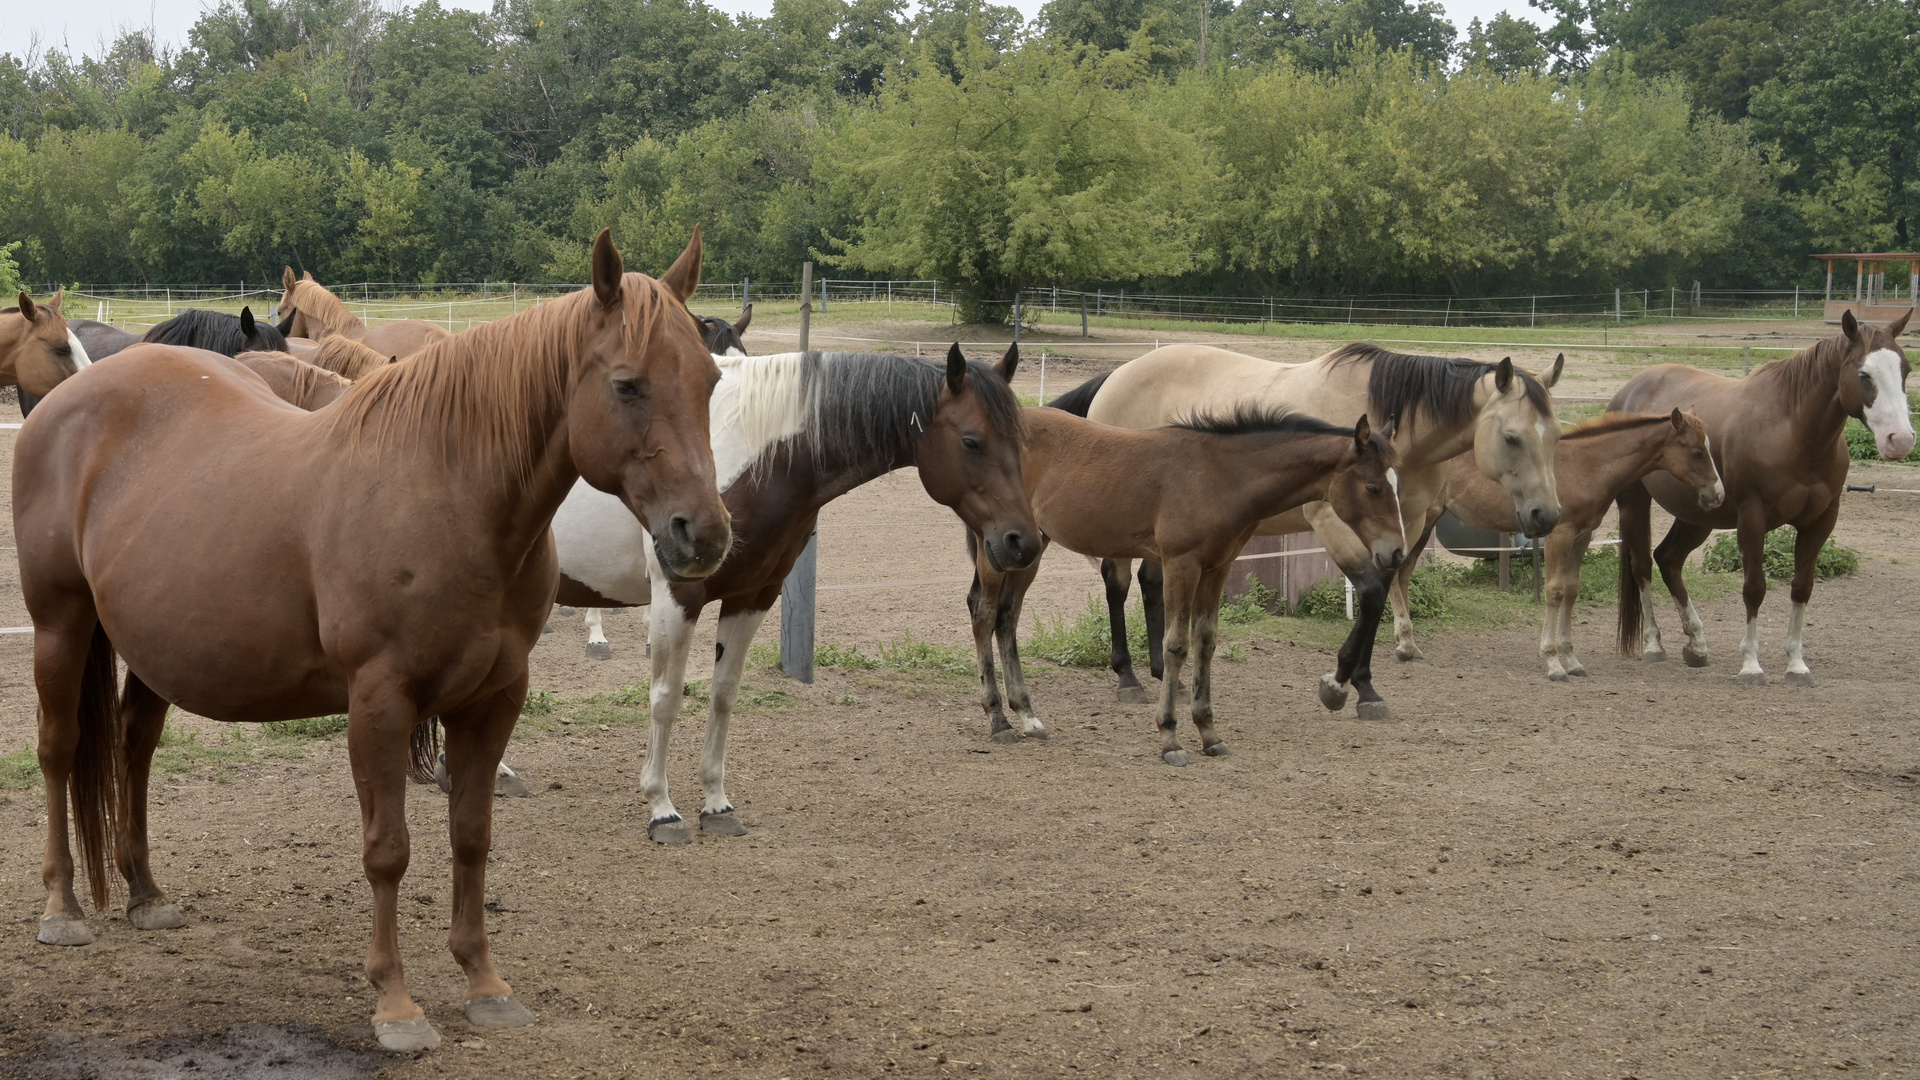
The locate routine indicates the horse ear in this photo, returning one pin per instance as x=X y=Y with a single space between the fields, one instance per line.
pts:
x=1849 y=325
x=1362 y=434
x=1503 y=375
x=1899 y=324
x=287 y=280
x=746 y=316
x=59 y=294
x=246 y=321
x=956 y=368
x=608 y=270
x=1389 y=428
x=1679 y=421
x=1009 y=362
x=683 y=277
x=1559 y=364
x=26 y=307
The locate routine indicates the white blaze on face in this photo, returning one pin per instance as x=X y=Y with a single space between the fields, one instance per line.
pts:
x=1888 y=417
x=80 y=358
x=1393 y=481
x=1719 y=482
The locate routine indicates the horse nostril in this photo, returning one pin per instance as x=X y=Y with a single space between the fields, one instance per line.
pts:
x=682 y=531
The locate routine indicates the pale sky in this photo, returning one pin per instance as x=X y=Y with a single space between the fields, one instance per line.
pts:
x=86 y=26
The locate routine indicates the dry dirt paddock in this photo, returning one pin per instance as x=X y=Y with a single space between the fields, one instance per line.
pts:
x=1652 y=872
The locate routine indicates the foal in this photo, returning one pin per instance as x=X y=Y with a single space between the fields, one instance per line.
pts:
x=1188 y=496
x=1592 y=465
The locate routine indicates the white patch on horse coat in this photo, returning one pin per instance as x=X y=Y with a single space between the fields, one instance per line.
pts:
x=1393 y=481
x=1797 y=639
x=80 y=357
x=1719 y=482
x=602 y=545
x=1888 y=417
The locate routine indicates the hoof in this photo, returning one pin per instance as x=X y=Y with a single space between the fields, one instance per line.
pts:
x=1176 y=758
x=1693 y=658
x=1557 y=676
x=1373 y=710
x=1332 y=694
x=442 y=779
x=1132 y=695
x=566 y=610
x=672 y=831
x=1218 y=749
x=599 y=650
x=545 y=630
x=496 y=1012
x=1799 y=678
x=64 y=930
x=1577 y=671
x=1409 y=652
x=1654 y=656
x=156 y=915
x=406 y=1036
x=1006 y=735
x=1038 y=732
x=722 y=824
x=1751 y=678
x=509 y=784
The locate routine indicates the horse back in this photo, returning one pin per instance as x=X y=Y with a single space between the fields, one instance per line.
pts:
x=1177 y=381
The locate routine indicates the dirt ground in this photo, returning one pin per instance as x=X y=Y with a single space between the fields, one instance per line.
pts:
x=1652 y=872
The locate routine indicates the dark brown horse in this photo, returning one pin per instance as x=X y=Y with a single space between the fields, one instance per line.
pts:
x=1188 y=496
x=308 y=310
x=1777 y=439
x=388 y=557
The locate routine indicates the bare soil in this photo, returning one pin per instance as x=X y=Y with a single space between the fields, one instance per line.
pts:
x=1649 y=872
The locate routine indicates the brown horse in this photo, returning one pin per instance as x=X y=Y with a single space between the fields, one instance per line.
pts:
x=308 y=310
x=37 y=348
x=388 y=557
x=348 y=358
x=1189 y=497
x=1777 y=439
x=1592 y=464
x=295 y=381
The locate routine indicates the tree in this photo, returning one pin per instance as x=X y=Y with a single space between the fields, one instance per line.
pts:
x=1506 y=46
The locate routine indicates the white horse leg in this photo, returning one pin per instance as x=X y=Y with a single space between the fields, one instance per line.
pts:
x=1750 y=671
x=1573 y=665
x=598 y=647
x=1651 y=628
x=1550 y=640
x=1797 y=672
x=735 y=638
x=1694 y=652
x=674 y=632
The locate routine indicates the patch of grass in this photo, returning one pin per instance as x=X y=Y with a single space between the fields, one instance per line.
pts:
x=20 y=770
x=910 y=655
x=1087 y=640
x=1723 y=556
x=764 y=655
x=309 y=727
x=180 y=751
x=539 y=703
x=840 y=656
x=1579 y=412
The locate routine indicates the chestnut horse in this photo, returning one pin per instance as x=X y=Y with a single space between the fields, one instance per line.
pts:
x=347 y=358
x=791 y=433
x=295 y=381
x=1778 y=442
x=38 y=350
x=1592 y=464
x=308 y=310
x=1189 y=497
x=389 y=557
x=194 y=328
x=1433 y=408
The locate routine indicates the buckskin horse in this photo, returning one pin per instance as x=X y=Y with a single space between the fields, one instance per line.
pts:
x=1187 y=496
x=1778 y=442
x=1433 y=408
x=389 y=557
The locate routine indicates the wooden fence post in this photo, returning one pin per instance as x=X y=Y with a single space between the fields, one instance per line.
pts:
x=797 y=593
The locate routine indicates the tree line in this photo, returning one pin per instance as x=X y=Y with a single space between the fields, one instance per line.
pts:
x=1281 y=146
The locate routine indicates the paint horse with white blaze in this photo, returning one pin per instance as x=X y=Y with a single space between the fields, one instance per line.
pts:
x=1779 y=444
x=791 y=433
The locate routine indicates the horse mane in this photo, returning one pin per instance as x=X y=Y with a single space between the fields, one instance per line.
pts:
x=861 y=411
x=1809 y=372
x=320 y=305
x=493 y=392
x=306 y=381
x=345 y=356
x=215 y=331
x=1440 y=386
x=1606 y=422
x=1251 y=419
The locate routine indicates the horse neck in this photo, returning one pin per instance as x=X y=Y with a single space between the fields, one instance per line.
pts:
x=329 y=311
x=1609 y=459
x=1816 y=416
x=1280 y=472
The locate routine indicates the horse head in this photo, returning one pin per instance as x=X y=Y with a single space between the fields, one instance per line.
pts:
x=1688 y=456
x=1873 y=383
x=257 y=336
x=1364 y=492
x=970 y=457
x=637 y=423
x=1513 y=442
x=724 y=338
x=44 y=351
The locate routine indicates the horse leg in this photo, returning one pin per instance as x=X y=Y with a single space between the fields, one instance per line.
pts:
x=1806 y=552
x=146 y=717
x=1404 y=646
x=1013 y=595
x=1206 y=621
x=672 y=632
x=598 y=647
x=983 y=605
x=1552 y=595
x=1671 y=558
x=60 y=671
x=475 y=739
x=1355 y=667
x=1637 y=630
x=1752 y=536
x=1182 y=580
x=1153 y=600
x=733 y=640
x=1117 y=574
x=1571 y=558
x=380 y=726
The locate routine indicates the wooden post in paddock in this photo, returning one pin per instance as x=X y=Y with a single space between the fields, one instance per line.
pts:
x=1083 y=313
x=1536 y=570
x=1506 y=560
x=797 y=593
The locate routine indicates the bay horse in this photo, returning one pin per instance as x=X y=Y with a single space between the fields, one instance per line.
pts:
x=389 y=557
x=294 y=381
x=1778 y=442
x=791 y=433
x=1187 y=496
x=308 y=310
x=38 y=350
x=1592 y=464
x=1432 y=408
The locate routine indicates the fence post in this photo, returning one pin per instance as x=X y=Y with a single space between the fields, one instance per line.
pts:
x=1083 y=316
x=1506 y=559
x=746 y=292
x=1016 y=317
x=1673 y=300
x=1616 y=305
x=823 y=293
x=1746 y=358
x=1536 y=570
x=797 y=592
x=1533 y=312
x=1043 y=376
x=1796 y=301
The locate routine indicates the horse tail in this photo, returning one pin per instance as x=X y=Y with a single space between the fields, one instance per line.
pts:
x=1079 y=399
x=98 y=784
x=1632 y=619
x=424 y=753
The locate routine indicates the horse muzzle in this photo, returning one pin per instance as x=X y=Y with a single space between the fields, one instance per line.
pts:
x=1011 y=550
x=1541 y=520
x=1896 y=446
x=689 y=549
x=1712 y=497
x=1388 y=556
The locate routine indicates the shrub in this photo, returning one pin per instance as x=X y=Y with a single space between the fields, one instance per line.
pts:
x=1255 y=604
x=1860 y=444
x=1723 y=557
x=1428 y=587
x=1326 y=600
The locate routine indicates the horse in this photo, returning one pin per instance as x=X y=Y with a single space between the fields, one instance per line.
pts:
x=38 y=350
x=1592 y=464
x=1187 y=496
x=217 y=331
x=308 y=310
x=347 y=358
x=1778 y=443
x=389 y=557
x=1432 y=408
x=294 y=381
x=791 y=433
x=101 y=339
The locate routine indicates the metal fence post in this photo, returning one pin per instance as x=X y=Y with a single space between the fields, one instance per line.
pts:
x=1616 y=305
x=1083 y=316
x=797 y=593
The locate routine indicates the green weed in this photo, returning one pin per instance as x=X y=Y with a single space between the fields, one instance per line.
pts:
x=309 y=727
x=843 y=656
x=1256 y=603
x=1723 y=557
x=20 y=770
x=910 y=655
x=1087 y=640
x=540 y=703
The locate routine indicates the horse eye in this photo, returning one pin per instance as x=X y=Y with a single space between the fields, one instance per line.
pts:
x=627 y=389
x=971 y=443
x=1373 y=489
x=1696 y=453
x=1513 y=440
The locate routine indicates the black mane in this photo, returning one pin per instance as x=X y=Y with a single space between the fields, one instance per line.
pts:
x=216 y=331
x=869 y=409
x=1440 y=386
x=1250 y=419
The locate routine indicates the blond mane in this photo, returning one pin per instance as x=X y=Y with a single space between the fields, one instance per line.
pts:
x=490 y=395
x=345 y=356
x=316 y=303
x=294 y=380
